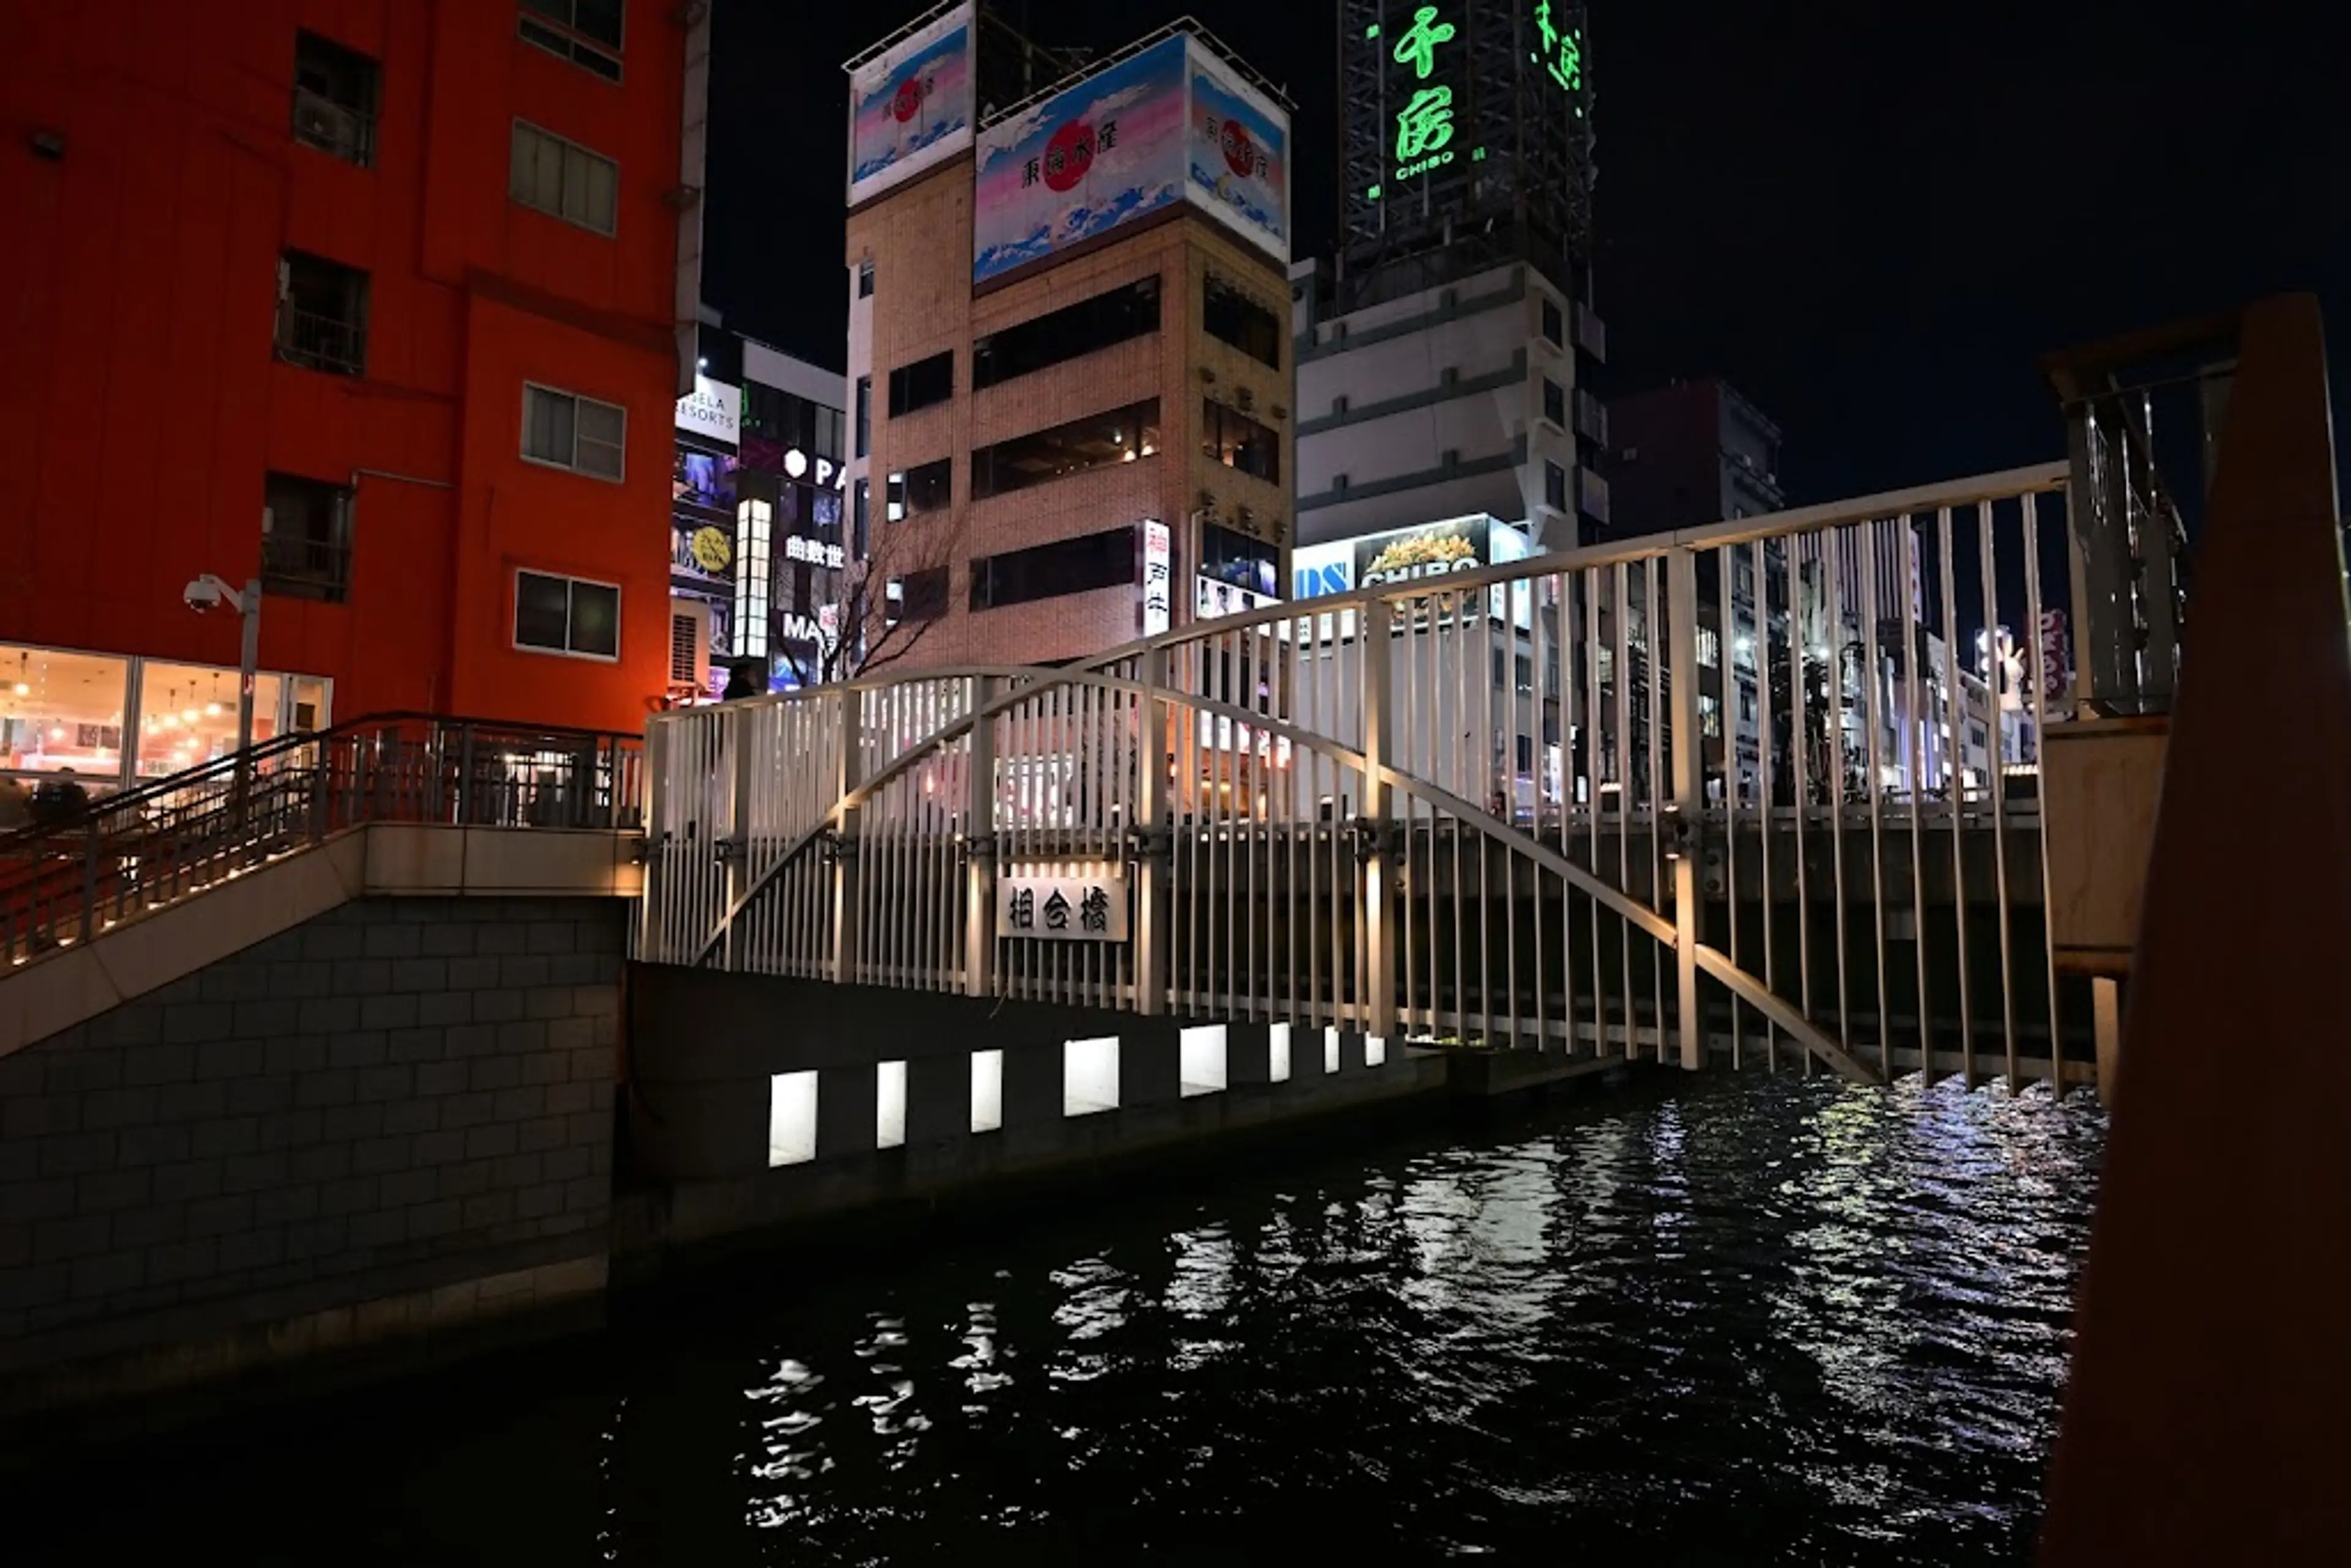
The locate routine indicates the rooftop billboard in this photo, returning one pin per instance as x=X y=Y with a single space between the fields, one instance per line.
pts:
x=1079 y=163
x=910 y=106
x=1238 y=155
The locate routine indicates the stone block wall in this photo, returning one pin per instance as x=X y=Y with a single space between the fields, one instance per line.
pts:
x=384 y=1103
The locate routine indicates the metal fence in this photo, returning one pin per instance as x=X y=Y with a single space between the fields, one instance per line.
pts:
x=1768 y=791
x=84 y=866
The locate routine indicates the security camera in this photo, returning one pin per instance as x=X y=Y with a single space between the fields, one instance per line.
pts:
x=200 y=595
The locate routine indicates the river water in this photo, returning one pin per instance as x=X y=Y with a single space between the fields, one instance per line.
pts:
x=1676 y=1323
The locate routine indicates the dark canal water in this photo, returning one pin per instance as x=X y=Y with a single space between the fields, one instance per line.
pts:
x=1747 y=1322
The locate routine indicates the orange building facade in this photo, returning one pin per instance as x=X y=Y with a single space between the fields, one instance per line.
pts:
x=374 y=301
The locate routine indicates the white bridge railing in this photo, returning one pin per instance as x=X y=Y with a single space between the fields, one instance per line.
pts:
x=1759 y=789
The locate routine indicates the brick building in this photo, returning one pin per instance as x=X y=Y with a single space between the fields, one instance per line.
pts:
x=1069 y=351
x=373 y=300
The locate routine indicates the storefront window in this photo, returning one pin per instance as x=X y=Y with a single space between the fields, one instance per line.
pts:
x=187 y=714
x=61 y=711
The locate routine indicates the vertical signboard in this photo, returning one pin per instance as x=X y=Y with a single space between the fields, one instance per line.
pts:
x=1105 y=153
x=1158 y=577
x=910 y=106
x=1237 y=154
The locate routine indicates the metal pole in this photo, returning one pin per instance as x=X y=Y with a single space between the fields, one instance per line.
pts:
x=248 y=607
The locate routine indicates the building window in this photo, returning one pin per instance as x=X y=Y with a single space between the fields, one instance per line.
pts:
x=564 y=430
x=1078 y=565
x=1709 y=647
x=1554 y=402
x=1231 y=315
x=1710 y=714
x=1232 y=438
x=564 y=179
x=585 y=32
x=1554 y=486
x=305 y=538
x=1227 y=556
x=1555 y=324
x=922 y=383
x=566 y=615
x=1097 y=441
x=893 y=601
x=322 y=310
x=865 y=278
x=861 y=505
x=334 y=98
x=1068 y=333
x=927 y=487
x=864 y=413
x=925 y=594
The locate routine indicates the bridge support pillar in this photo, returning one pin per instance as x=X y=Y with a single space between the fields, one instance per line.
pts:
x=1689 y=794
x=1378 y=952
x=979 y=846
x=847 y=898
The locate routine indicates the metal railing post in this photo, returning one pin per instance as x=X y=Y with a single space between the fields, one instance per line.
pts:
x=1680 y=643
x=89 y=878
x=1378 y=870
x=737 y=719
x=465 y=774
x=979 y=847
x=848 y=896
x=1152 y=927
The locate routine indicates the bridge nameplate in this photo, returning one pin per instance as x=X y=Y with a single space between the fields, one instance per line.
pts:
x=1085 y=904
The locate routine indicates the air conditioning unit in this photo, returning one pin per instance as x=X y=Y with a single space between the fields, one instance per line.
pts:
x=689 y=644
x=325 y=125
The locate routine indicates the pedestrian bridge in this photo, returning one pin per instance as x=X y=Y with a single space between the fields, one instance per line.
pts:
x=1756 y=794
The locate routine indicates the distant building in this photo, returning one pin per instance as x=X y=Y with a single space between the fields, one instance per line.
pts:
x=1690 y=453
x=1069 y=358
x=758 y=546
x=1446 y=354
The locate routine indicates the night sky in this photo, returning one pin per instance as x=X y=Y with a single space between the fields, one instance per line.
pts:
x=1871 y=215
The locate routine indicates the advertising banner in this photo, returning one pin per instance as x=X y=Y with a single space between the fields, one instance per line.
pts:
x=1214 y=599
x=910 y=106
x=1158 y=574
x=1430 y=550
x=713 y=411
x=1100 y=153
x=1237 y=154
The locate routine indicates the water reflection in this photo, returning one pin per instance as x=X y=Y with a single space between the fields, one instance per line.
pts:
x=1769 y=1321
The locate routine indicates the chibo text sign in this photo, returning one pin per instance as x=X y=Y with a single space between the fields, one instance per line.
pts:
x=1084 y=907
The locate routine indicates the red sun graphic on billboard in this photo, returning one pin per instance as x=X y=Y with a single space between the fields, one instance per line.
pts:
x=1068 y=155
x=908 y=102
x=1240 y=152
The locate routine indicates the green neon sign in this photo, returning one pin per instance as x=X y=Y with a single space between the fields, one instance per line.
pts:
x=1424 y=126
x=1562 y=52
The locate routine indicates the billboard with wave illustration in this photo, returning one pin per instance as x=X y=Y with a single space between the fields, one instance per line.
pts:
x=1237 y=154
x=910 y=106
x=1079 y=163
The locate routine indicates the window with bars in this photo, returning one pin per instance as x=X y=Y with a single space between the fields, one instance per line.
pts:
x=564 y=179
x=566 y=615
x=585 y=32
x=335 y=99
x=305 y=538
x=322 y=315
x=565 y=430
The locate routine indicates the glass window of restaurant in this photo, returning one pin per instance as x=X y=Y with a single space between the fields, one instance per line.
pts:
x=113 y=720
